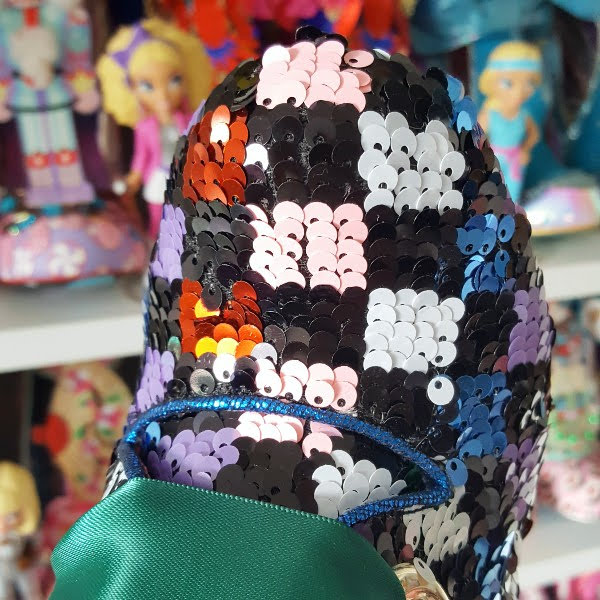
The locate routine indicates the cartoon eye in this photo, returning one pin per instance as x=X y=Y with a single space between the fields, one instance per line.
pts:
x=369 y=160
x=425 y=141
x=441 y=390
x=430 y=180
x=375 y=137
x=425 y=347
x=408 y=179
x=445 y=355
x=344 y=396
x=488 y=242
x=343 y=462
x=413 y=533
x=224 y=367
x=268 y=383
x=453 y=165
x=383 y=177
x=428 y=199
x=399 y=160
x=319 y=393
x=404 y=140
x=450 y=199
x=469 y=242
x=506 y=228
x=406 y=199
x=506 y=83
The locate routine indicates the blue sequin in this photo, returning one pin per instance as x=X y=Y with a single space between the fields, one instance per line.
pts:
x=506 y=228
x=439 y=492
x=489 y=241
x=457 y=472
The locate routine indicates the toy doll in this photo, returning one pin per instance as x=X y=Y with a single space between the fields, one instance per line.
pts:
x=47 y=48
x=559 y=188
x=19 y=520
x=345 y=388
x=512 y=73
x=53 y=226
x=87 y=412
x=152 y=76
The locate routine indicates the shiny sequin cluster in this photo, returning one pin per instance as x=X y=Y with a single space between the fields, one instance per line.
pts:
x=336 y=239
x=306 y=73
x=281 y=459
x=410 y=330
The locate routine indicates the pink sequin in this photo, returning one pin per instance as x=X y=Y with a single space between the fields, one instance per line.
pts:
x=315 y=69
x=358 y=58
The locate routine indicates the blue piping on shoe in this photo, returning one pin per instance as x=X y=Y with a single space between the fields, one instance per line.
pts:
x=439 y=492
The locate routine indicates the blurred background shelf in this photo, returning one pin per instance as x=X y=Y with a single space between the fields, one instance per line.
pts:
x=56 y=325
x=571 y=265
x=558 y=547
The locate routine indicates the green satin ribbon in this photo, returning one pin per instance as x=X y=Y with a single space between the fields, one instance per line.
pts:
x=154 y=540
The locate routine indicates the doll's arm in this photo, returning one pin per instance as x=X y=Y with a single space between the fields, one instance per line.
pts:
x=139 y=162
x=77 y=64
x=483 y=119
x=532 y=137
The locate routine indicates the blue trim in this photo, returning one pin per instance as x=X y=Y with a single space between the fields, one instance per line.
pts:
x=436 y=494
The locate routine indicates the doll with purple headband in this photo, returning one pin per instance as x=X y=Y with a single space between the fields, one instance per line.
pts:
x=147 y=84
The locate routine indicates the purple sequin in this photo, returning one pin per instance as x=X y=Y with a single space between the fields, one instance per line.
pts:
x=169 y=247
x=158 y=370
x=192 y=459
x=532 y=336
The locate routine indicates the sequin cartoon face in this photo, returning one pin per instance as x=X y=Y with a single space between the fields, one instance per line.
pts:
x=345 y=316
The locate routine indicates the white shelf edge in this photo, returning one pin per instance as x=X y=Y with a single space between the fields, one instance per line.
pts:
x=571 y=265
x=52 y=326
x=558 y=549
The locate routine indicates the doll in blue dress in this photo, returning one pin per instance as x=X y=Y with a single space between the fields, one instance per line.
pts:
x=511 y=76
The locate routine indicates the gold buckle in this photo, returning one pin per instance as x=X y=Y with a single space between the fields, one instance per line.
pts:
x=417 y=587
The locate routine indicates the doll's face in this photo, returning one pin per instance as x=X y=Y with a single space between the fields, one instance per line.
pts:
x=159 y=88
x=514 y=88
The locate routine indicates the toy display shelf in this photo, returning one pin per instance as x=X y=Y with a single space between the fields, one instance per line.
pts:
x=558 y=549
x=47 y=326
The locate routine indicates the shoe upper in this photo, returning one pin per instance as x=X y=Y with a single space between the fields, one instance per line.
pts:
x=345 y=316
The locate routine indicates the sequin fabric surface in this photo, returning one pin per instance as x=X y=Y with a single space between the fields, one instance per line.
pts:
x=337 y=243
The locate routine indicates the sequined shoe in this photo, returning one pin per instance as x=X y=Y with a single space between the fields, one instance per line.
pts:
x=345 y=384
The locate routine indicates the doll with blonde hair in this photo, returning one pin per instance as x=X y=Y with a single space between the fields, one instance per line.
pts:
x=19 y=520
x=152 y=76
x=511 y=76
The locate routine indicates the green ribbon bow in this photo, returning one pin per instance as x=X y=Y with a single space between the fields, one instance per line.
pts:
x=152 y=540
